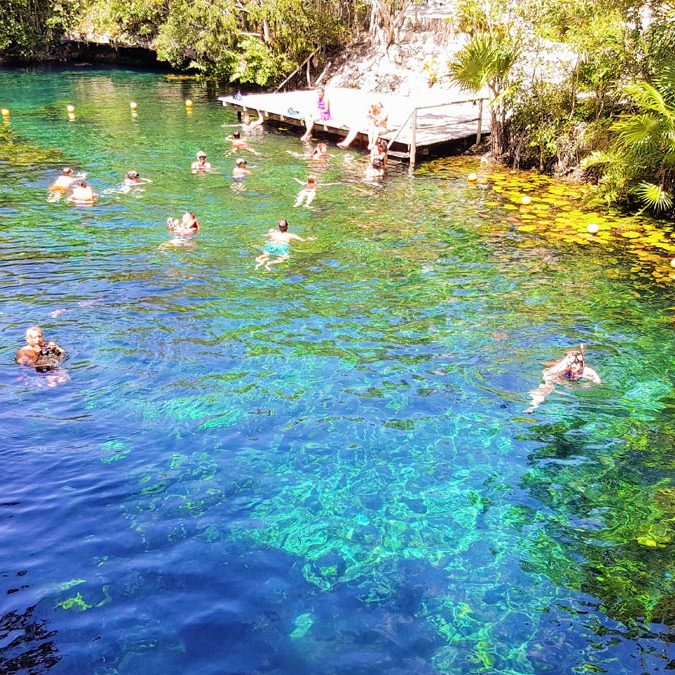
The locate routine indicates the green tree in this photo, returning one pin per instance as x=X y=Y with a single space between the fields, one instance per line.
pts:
x=639 y=165
x=487 y=62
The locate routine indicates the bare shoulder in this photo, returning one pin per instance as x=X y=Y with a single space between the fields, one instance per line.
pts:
x=26 y=356
x=590 y=374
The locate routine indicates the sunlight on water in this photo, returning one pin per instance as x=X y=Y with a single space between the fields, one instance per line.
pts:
x=325 y=467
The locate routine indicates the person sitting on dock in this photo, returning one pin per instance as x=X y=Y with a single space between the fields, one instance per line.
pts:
x=247 y=125
x=240 y=169
x=39 y=354
x=238 y=143
x=320 y=114
x=570 y=368
x=278 y=247
x=201 y=165
x=376 y=126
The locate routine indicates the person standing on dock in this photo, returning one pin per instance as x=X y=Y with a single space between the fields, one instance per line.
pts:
x=321 y=113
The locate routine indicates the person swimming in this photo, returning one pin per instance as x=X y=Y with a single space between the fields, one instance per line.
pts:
x=133 y=179
x=64 y=182
x=186 y=227
x=39 y=354
x=570 y=368
x=81 y=193
x=201 y=165
x=240 y=169
x=308 y=192
x=238 y=143
x=278 y=248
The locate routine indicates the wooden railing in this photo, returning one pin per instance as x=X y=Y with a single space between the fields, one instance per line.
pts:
x=412 y=119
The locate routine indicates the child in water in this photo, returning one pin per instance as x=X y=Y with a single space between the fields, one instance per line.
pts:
x=308 y=192
x=183 y=229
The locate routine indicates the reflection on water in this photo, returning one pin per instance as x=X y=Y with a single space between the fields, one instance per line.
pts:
x=325 y=467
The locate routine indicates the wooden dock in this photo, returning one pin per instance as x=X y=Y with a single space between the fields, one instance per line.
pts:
x=420 y=126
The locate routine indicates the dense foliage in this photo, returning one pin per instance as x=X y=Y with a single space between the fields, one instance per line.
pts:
x=605 y=101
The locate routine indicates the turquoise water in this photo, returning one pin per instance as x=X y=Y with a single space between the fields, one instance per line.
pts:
x=326 y=467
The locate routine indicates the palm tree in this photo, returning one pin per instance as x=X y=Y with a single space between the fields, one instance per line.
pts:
x=487 y=61
x=640 y=162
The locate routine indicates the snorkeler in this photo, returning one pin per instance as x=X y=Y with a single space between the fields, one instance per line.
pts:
x=568 y=369
x=81 y=193
x=201 y=165
x=320 y=152
x=278 y=247
x=41 y=355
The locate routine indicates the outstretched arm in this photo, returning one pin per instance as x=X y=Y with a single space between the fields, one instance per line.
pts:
x=590 y=374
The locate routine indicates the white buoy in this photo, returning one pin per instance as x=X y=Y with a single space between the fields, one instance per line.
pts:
x=472 y=178
x=70 y=108
x=592 y=228
x=188 y=103
x=525 y=200
x=133 y=105
x=5 y=112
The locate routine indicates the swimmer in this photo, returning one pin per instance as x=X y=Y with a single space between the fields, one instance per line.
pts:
x=133 y=178
x=41 y=355
x=378 y=159
x=240 y=169
x=568 y=369
x=308 y=192
x=248 y=126
x=64 y=182
x=238 y=143
x=81 y=193
x=187 y=226
x=201 y=165
x=278 y=247
x=320 y=152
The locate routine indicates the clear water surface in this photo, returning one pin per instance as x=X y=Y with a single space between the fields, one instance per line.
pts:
x=325 y=468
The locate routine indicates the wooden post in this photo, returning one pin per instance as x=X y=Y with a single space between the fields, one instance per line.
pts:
x=480 y=121
x=413 y=143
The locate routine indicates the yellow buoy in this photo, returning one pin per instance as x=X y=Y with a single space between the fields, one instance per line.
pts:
x=5 y=112
x=472 y=178
x=188 y=103
x=70 y=108
x=525 y=200
x=133 y=105
x=592 y=228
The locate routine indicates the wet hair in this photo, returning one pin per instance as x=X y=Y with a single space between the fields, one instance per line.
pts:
x=311 y=178
x=67 y=171
x=236 y=134
x=283 y=225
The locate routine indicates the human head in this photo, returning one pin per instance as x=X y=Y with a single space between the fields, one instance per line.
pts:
x=67 y=171
x=133 y=174
x=189 y=217
x=381 y=144
x=236 y=134
x=311 y=179
x=34 y=335
x=322 y=148
x=201 y=155
x=574 y=362
x=283 y=225
x=240 y=162
x=320 y=91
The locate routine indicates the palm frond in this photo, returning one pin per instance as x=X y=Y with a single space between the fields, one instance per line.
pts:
x=654 y=197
